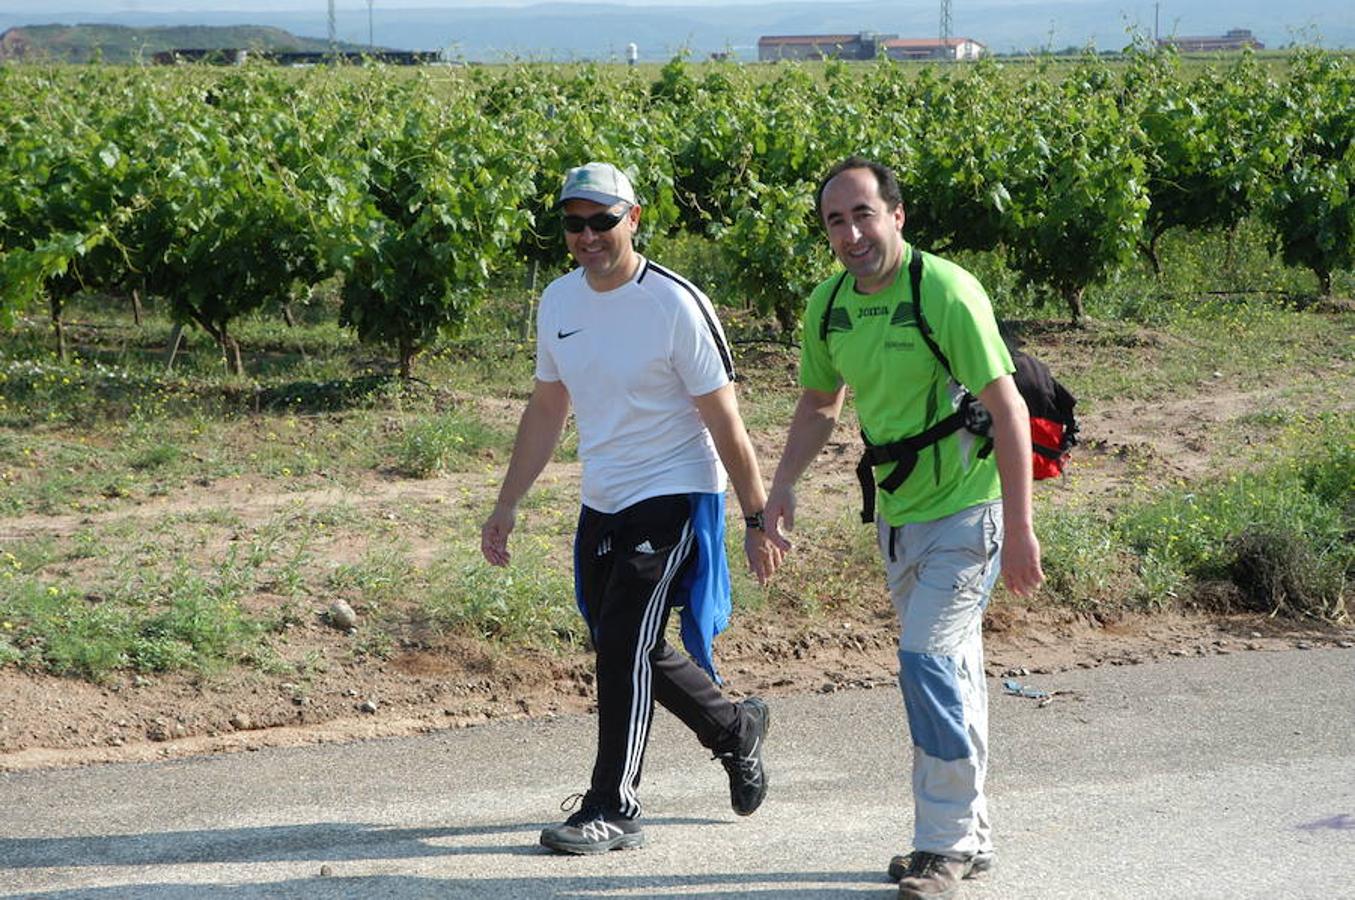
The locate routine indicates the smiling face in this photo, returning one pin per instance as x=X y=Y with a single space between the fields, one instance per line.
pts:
x=864 y=233
x=607 y=257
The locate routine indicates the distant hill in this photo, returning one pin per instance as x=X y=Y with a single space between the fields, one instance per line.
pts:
x=122 y=44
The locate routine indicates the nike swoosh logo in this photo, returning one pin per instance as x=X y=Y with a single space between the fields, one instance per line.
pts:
x=564 y=334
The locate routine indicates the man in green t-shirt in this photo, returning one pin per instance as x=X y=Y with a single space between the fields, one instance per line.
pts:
x=947 y=526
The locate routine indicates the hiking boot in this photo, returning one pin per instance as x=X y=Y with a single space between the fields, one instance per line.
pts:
x=980 y=862
x=747 y=776
x=930 y=876
x=593 y=830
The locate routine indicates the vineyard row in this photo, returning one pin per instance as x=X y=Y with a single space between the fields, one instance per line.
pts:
x=231 y=193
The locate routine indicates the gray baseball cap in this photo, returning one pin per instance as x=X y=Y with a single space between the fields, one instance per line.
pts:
x=597 y=181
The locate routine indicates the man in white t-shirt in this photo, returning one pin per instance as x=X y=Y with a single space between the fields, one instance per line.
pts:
x=638 y=352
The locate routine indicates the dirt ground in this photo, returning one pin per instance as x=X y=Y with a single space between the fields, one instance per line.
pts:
x=50 y=722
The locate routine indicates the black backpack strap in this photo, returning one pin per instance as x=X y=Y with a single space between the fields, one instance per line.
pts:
x=865 y=474
x=915 y=279
x=894 y=451
x=904 y=454
x=1046 y=452
x=915 y=282
x=828 y=310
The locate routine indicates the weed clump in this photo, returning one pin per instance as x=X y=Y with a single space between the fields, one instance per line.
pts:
x=1280 y=536
x=1278 y=571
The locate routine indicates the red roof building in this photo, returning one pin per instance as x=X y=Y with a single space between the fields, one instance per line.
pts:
x=865 y=45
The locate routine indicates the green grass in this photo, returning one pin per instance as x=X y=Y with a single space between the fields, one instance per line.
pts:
x=382 y=576
x=30 y=554
x=1282 y=536
x=158 y=602
x=197 y=623
x=1213 y=344
x=531 y=602
x=1085 y=563
x=1206 y=276
x=1273 y=538
x=442 y=442
x=834 y=563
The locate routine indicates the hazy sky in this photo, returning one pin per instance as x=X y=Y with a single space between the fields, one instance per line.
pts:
x=1293 y=9
x=35 y=6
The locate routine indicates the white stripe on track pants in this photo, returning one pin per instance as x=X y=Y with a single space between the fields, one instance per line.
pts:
x=627 y=567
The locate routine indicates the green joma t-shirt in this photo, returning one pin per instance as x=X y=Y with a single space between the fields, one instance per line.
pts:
x=900 y=388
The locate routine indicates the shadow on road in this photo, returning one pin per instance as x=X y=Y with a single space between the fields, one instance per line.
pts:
x=319 y=841
x=725 y=886
x=339 y=843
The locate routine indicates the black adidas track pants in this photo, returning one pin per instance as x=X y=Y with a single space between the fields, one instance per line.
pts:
x=628 y=565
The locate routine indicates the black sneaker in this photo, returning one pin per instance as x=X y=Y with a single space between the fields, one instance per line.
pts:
x=978 y=864
x=747 y=776
x=593 y=830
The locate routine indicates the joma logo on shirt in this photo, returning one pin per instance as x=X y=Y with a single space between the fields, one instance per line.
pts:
x=873 y=311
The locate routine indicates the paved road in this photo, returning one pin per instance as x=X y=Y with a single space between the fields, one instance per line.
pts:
x=1231 y=776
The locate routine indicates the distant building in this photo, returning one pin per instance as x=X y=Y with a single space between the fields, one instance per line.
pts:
x=958 y=48
x=235 y=57
x=356 y=57
x=865 y=45
x=1235 y=39
x=818 y=46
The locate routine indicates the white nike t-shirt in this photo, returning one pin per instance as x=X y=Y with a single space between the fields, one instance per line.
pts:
x=632 y=359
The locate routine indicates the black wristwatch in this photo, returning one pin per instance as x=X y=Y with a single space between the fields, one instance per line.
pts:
x=756 y=521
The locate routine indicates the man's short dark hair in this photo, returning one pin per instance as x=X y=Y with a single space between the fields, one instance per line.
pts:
x=885 y=180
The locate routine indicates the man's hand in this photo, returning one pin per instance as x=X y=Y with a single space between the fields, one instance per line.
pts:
x=764 y=555
x=494 y=535
x=1021 y=571
x=816 y=413
x=1011 y=442
x=780 y=508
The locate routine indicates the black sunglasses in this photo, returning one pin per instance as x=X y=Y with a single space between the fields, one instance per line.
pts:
x=599 y=222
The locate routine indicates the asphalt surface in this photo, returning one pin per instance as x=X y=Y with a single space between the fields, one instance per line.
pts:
x=1226 y=776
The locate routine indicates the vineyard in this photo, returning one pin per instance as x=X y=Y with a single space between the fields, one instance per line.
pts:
x=238 y=193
